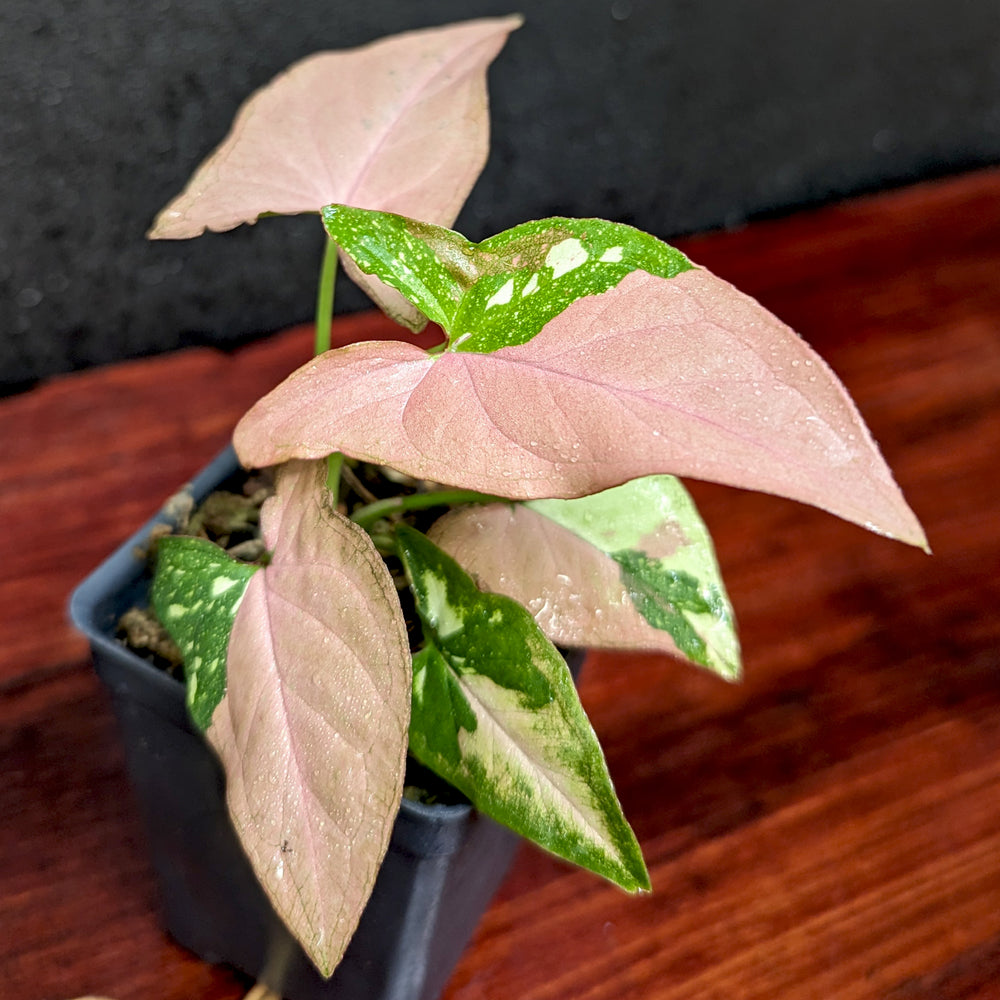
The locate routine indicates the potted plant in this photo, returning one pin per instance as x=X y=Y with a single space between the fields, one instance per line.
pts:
x=441 y=518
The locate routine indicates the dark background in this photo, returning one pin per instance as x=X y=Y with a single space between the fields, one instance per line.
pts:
x=676 y=116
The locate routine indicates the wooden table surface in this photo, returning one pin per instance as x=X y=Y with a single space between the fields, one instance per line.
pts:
x=828 y=829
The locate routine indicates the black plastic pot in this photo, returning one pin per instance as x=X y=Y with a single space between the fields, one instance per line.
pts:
x=443 y=864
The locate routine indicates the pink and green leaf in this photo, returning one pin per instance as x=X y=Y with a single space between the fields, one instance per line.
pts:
x=684 y=376
x=502 y=291
x=496 y=714
x=313 y=726
x=628 y=568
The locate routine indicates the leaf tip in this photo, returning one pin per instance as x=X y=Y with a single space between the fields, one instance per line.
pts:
x=911 y=531
x=642 y=885
x=732 y=672
x=630 y=873
x=171 y=224
x=920 y=540
x=324 y=966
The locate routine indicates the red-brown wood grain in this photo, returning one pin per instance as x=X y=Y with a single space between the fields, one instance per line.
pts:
x=830 y=828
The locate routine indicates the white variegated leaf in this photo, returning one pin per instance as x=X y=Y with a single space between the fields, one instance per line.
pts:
x=496 y=714
x=572 y=564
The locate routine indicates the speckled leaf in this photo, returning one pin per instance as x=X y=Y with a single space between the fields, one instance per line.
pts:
x=502 y=291
x=400 y=125
x=428 y=265
x=196 y=592
x=629 y=568
x=685 y=376
x=312 y=730
x=495 y=713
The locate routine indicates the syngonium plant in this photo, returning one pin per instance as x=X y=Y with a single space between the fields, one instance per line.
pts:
x=583 y=366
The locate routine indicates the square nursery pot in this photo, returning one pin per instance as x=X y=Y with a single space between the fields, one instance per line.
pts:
x=443 y=865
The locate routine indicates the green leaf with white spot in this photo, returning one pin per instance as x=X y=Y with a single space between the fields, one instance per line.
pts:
x=533 y=272
x=196 y=592
x=632 y=567
x=501 y=292
x=495 y=713
x=428 y=265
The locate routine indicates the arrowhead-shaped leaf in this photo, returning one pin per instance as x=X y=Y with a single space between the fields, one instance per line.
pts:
x=629 y=568
x=685 y=376
x=496 y=714
x=400 y=125
x=312 y=729
x=502 y=291
x=196 y=592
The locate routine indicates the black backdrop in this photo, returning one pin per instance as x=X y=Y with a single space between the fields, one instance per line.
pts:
x=676 y=116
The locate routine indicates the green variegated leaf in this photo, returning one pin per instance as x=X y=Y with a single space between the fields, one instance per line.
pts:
x=428 y=265
x=496 y=714
x=502 y=291
x=537 y=269
x=196 y=592
x=652 y=530
x=673 y=601
x=629 y=568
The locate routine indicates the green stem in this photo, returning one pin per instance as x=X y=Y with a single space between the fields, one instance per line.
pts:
x=324 y=298
x=324 y=323
x=367 y=516
x=334 y=463
x=386 y=544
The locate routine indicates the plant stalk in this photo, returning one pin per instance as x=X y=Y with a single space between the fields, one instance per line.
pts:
x=324 y=324
x=324 y=297
x=334 y=463
x=368 y=515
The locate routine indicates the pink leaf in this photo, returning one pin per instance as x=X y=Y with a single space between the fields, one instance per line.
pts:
x=312 y=729
x=682 y=375
x=400 y=125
